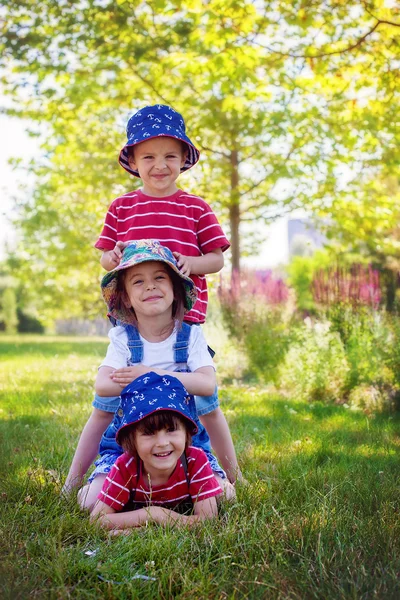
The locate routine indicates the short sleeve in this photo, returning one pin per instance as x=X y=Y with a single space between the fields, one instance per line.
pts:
x=118 y=354
x=117 y=486
x=108 y=236
x=210 y=234
x=199 y=355
x=203 y=483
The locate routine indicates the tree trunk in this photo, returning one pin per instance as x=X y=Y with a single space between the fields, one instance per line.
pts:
x=234 y=212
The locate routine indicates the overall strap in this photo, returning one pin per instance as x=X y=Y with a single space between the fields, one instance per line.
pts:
x=181 y=346
x=135 y=344
x=185 y=468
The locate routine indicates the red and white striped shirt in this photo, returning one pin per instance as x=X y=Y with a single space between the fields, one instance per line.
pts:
x=183 y=222
x=123 y=478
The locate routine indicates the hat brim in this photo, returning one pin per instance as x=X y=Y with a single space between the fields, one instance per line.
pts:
x=191 y=159
x=192 y=424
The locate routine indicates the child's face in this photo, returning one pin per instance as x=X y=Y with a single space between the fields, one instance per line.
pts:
x=160 y=450
x=159 y=163
x=149 y=290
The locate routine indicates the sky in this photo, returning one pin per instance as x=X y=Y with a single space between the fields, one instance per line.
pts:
x=15 y=143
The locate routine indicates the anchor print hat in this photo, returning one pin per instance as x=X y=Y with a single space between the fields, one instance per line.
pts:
x=156 y=121
x=148 y=394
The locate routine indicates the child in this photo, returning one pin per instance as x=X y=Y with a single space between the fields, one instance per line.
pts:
x=160 y=477
x=148 y=295
x=157 y=151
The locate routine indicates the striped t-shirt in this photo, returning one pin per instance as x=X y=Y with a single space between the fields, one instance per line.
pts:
x=123 y=478
x=183 y=222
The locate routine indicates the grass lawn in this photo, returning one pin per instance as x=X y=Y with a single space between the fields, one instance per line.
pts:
x=319 y=518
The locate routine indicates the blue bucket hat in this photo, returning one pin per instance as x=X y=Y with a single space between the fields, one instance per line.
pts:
x=156 y=121
x=134 y=254
x=150 y=393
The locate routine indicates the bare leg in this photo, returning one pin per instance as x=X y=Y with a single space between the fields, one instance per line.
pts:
x=87 y=496
x=221 y=442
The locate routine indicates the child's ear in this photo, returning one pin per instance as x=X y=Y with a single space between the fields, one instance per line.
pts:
x=185 y=153
x=184 y=157
x=125 y=300
x=131 y=162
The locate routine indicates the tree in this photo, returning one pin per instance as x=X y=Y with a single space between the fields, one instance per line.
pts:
x=272 y=92
x=9 y=312
x=364 y=222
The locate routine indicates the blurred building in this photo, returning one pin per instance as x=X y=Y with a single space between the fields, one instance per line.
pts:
x=304 y=237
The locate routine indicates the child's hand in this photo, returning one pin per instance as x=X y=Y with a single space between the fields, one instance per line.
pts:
x=184 y=263
x=128 y=374
x=116 y=254
x=112 y=258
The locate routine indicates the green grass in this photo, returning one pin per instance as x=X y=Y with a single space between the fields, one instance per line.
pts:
x=319 y=519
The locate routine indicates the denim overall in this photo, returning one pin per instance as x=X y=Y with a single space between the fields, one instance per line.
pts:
x=109 y=450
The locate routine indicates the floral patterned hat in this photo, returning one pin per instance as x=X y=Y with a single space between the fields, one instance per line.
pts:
x=156 y=121
x=134 y=254
x=148 y=394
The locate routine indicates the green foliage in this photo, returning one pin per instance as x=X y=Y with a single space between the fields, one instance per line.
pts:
x=371 y=342
x=278 y=111
x=323 y=483
x=263 y=334
x=365 y=345
x=364 y=220
x=316 y=365
x=258 y=317
x=301 y=271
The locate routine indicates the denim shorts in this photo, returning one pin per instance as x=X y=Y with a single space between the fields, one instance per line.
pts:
x=106 y=403
x=206 y=404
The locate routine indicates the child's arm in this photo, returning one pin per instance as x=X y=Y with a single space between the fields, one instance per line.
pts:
x=200 y=265
x=105 y=384
x=111 y=258
x=110 y=381
x=87 y=448
x=108 y=518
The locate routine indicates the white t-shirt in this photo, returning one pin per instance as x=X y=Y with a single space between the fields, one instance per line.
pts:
x=157 y=354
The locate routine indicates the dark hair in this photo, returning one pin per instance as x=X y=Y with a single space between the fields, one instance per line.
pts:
x=162 y=419
x=178 y=288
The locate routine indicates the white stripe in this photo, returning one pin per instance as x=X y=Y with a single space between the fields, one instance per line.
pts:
x=161 y=239
x=218 y=237
x=111 y=498
x=112 y=482
x=218 y=488
x=192 y=310
x=195 y=480
x=151 y=226
x=144 y=202
x=199 y=471
x=150 y=492
x=155 y=214
x=209 y=227
x=104 y=237
x=169 y=501
x=110 y=226
x=207 y=214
